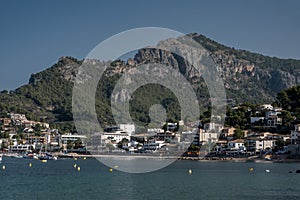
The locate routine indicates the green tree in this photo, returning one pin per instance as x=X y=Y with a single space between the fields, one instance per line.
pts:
x=238 y=133
x=37 y=128
x=110 y=146
x=70 y=145
x=123 y=143
x=78 y=144
x=4 y=145
x=284 y=100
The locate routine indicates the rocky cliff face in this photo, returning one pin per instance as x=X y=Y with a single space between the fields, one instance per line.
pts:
x=244 y=80
x=247 y=77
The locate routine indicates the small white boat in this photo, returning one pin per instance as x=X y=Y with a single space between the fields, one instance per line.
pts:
x=47 y=156
x=16 y=156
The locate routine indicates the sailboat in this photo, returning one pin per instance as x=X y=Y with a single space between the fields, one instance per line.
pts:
x=45 y=155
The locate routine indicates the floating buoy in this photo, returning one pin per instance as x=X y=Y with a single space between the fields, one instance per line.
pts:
x=75 y=158
x=110 y=170
x=44 y=161
x=74 y=165
x=190 y=171
x=3 y=167
x=290 y=172
x=78 y=168
x=30 y=165
x=251 y=169
x=268 y=171
x=84 y=158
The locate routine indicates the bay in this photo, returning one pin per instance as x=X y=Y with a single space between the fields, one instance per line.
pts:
x=208 y=180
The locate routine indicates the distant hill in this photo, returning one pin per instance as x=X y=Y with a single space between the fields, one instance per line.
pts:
x=248 y=77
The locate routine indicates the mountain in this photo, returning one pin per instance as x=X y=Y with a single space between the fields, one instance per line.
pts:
x=248 y=77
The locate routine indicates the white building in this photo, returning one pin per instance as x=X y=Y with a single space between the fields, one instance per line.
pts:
x=266 y=107
x=295 y=134
x=114 y=138
x=188 y=136
x=65 y=138
x=213 y=127
x=236 y=145
x=17 y=119
x=129 y=128
x=22 y=147
x=171 y=126
x=273 y=119
x=262 y=144
x=205 y=137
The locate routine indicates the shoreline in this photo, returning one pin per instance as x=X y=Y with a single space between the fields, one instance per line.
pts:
x=165 y=157
x=200 y=159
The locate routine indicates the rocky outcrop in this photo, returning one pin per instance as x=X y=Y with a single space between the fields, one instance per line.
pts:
x=243 y=79
x=247 y=77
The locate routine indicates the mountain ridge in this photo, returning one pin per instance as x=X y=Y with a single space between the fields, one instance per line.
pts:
x=247 y=76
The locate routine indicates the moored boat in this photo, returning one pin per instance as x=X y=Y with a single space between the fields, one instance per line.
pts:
x=30 y=156
x=47 y=156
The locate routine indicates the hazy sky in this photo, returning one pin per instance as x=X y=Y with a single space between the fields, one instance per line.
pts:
x=34 y=34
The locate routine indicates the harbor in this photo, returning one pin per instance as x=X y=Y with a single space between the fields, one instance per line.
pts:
x=96 y=180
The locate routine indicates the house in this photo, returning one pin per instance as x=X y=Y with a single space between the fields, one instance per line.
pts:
x=295 y=135
x=188 y=136
x=255 y=135
x=274 y=136
x=171 y=126
x=167 y=136
x=208 y=127
x=236 y=145
x=64 y=139
x=221 y=145
x=153 y=131
x=273 y=120
x=22 y=148
x=29 y=124
x=17 y=119
x=208 y=137
x=277 y=109
x=129 y=128
x=266 y=107
x=5 y=121
x=67 y=139
x=114 y=138
x=227 y=133
x=257 y=119
x=31 y=139
x=262 y=144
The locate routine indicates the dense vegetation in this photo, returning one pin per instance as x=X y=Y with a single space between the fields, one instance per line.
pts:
x=239 y=117
x=265 y=62
x=48 y=95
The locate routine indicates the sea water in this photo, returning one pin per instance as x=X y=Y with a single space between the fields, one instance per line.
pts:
x=181 y=180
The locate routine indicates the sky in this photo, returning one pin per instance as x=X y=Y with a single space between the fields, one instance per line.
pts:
x=35 y=34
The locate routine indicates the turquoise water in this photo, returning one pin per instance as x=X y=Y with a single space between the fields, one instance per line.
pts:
x=209 y=180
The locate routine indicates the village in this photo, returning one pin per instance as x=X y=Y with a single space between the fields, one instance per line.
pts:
x=20 y=136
